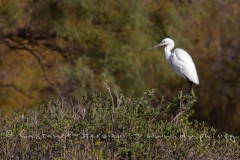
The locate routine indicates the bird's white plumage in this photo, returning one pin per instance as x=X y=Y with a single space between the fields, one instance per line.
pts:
x=183 y=65
x=180 y=61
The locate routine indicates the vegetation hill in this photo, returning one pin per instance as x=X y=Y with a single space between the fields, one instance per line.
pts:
x=115 y=128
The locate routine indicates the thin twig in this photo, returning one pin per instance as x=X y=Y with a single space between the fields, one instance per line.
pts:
x=175 y=119
x=16 y=89
x=119 y=99
x=35 y=55
x=109 y=90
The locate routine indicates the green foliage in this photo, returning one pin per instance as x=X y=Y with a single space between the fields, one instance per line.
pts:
x=10 y=15
x=80 y=76
x=120 y=128
x=59 y=48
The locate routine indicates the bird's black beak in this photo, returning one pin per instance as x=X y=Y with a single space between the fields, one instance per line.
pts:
x=160 y=44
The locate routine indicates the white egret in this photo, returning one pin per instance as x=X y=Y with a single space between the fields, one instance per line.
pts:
x=180 y=61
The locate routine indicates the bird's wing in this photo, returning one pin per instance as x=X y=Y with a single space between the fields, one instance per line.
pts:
x=183 y=65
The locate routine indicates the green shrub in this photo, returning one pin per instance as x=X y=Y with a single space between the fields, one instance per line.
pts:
x=115 y=128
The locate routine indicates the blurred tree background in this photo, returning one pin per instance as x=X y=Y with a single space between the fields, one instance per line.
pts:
x=58 y=48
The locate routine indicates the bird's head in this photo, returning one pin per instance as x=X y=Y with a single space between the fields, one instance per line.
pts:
x=165 y=41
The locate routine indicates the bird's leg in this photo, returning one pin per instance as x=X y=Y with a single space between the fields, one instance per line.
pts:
x=190 y=87
x=184 y=92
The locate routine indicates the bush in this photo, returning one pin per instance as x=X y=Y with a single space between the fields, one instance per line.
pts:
x=115 y=128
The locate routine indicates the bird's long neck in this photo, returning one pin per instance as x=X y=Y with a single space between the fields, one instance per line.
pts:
x=167 y=51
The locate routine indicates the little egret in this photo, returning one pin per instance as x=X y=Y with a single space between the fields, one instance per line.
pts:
x=181 y=62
